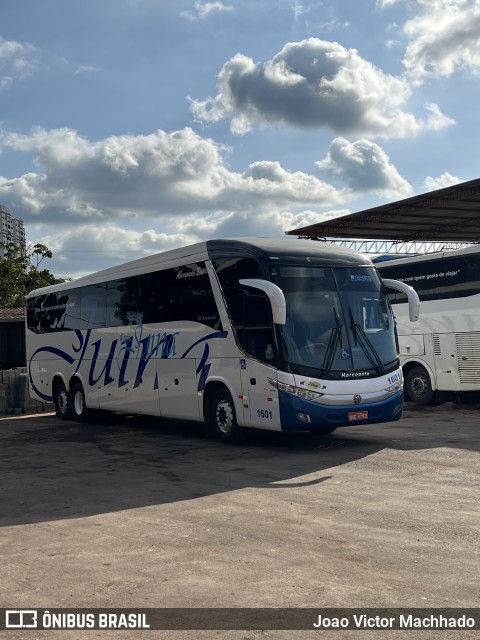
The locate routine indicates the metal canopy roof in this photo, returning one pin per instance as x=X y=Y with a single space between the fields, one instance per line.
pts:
x=451 y=215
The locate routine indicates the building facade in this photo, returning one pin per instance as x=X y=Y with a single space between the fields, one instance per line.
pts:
x=11 y=229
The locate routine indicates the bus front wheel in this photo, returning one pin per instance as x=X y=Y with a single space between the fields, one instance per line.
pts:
x=79 y=408
x=223 y=420
x=419 y=386
x=63 y=408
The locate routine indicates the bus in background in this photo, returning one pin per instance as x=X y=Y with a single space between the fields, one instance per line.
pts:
x=278 y=334
x=440 y=354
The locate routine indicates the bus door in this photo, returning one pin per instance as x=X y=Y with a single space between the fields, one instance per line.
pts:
x=257 y=338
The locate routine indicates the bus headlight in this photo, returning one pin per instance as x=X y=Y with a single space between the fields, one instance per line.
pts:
x=300 y=392
x=393 y=388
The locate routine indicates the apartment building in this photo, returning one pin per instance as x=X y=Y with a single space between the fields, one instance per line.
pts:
x=11 y=229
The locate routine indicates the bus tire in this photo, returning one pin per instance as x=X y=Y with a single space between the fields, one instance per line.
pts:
x=79 y=408
x=61 y=400
x=419 y=386
x=223 y=420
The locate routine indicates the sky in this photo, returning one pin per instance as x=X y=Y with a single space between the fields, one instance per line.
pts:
x=129 y=127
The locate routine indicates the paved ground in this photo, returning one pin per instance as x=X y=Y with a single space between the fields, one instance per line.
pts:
x=133 y=512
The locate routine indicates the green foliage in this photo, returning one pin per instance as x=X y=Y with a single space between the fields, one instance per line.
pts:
x=20 y=273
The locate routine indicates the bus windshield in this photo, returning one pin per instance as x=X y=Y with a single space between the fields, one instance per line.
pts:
x=339 y=322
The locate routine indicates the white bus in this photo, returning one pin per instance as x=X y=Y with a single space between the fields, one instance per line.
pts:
x=286 y=335
x=440 y=354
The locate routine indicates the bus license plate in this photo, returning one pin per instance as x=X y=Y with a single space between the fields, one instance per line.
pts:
x=357 y=415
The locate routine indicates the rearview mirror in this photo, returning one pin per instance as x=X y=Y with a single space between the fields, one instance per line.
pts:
x=275 y=295
x=412 y=296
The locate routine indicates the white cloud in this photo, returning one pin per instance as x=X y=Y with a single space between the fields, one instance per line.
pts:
x=332 y=24
x=104 y=245
x=298 y=10
x=443 y=37
x=85 y=69
x=158 y=176
x=436 y=119
x=364 y=167
x=204 y=9
x=312 y=84
x=444 y=180
x=306 y=218
x=5 y=82
x=77 y=248
x=108 y=244
x=97 y=195
x=16 y=60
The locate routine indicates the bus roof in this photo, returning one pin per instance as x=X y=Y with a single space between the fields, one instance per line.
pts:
x=427 y=257
x=285 y=248
x=280 y=248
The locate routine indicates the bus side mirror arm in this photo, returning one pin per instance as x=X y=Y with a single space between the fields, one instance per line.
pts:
x=412 y=295
x=275 y=295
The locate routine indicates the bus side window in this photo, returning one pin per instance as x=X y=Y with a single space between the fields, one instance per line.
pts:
x=155 y=291
x=115 y=291
x=72 y=316
x=33 y=314
x=93 y=306
x=229 y=272
x=193 y=297
x=54 y=312
x=124 y=306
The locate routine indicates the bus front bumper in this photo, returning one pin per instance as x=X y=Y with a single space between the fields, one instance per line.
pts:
x=297 y=414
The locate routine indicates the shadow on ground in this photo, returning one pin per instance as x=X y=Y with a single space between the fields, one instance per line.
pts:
x=52 y=470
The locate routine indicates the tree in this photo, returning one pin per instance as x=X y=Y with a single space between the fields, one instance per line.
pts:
x=20 y=273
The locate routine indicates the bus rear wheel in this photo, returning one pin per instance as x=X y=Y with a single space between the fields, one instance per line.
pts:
x=61 y=399
x=419 y=386
x=223 y=419
x=79 y=408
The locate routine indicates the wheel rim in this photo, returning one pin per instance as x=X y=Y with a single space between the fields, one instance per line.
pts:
x=419 y=385
x=78 y=403
x=62 y=401
x=224 y=416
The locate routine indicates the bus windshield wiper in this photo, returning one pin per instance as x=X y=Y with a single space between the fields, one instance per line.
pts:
x=334 y=340
x=363 y=340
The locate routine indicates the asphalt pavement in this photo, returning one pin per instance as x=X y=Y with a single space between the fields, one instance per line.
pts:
x=134 y=512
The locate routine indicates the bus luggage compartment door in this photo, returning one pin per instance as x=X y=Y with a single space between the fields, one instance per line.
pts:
x=177 y=385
